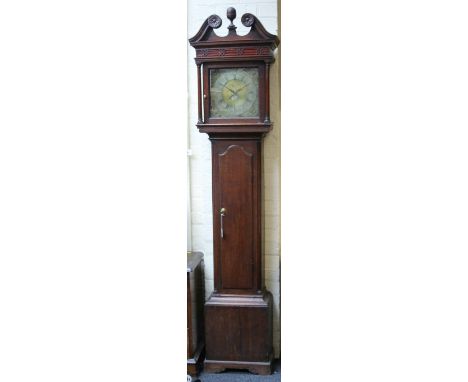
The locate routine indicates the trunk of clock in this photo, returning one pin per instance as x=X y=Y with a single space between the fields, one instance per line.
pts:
x=239 y=312
x=236 y=188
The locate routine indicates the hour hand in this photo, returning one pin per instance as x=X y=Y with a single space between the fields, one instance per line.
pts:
x=237 y=90
x=228 y=88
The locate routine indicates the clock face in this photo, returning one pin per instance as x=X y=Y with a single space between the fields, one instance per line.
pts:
x=234 y=93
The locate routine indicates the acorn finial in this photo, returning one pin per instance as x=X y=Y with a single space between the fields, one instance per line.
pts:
x=231 y=15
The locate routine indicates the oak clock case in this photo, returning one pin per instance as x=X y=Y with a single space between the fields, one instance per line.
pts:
x=233 y=109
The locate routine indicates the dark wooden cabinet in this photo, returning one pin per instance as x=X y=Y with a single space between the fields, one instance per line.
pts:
x=233 y=109
x=195 y=320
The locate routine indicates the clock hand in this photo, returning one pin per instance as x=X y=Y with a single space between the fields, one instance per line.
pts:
x=238 y=90
x=232 y=91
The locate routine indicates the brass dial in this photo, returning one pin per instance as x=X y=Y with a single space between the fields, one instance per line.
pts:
x=234 y=93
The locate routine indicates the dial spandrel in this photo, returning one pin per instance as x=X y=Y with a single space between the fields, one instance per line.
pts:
x=234 y=93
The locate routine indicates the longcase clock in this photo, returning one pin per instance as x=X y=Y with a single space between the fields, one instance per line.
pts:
x=233 y=109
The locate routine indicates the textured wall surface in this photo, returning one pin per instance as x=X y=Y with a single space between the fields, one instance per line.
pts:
x=200 y=159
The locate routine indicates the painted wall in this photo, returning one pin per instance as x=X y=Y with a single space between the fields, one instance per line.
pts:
x=200 y=158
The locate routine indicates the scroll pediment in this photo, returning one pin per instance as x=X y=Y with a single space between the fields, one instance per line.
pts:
x=206 y=35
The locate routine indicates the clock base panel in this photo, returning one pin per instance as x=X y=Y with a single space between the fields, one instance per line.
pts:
x=239 y=333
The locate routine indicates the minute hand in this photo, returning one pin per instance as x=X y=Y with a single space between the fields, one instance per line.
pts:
x=238 y=90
